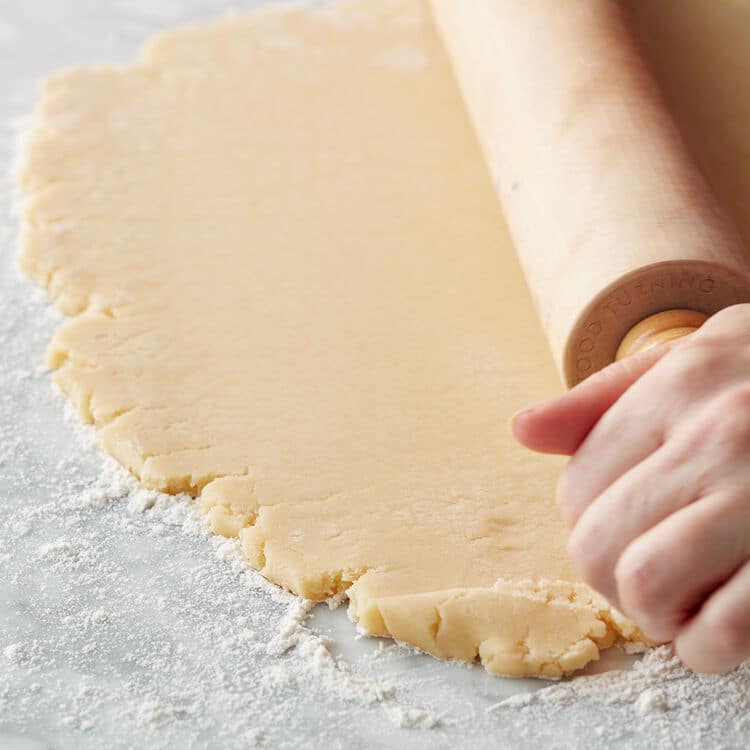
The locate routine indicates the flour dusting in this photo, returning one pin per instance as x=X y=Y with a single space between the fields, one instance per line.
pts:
x=247 y=622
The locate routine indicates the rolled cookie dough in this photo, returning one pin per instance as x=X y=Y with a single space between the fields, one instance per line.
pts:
x=292 y=294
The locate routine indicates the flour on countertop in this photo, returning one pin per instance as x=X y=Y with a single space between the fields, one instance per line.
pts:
x=657 y=690
x=249 y=619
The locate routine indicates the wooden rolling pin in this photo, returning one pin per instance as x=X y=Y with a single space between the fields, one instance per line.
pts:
x=612 y=220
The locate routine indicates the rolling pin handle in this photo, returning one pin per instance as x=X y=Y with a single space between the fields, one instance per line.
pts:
x=658 y=329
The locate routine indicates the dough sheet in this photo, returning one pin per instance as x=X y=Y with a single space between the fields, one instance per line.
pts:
x=291 y=294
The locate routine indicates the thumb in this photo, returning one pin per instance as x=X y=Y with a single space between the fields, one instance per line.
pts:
x=561 y=424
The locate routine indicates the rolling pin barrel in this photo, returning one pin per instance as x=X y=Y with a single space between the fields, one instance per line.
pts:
x=612 y=220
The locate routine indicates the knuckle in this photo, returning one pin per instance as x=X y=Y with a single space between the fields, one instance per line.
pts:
x=588 y=559
x=637 y=579
x=735 y=399
x=731 y=632
x=696 y=360
x=729 y=419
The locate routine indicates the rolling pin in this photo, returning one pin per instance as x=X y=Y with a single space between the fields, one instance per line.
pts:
x=620 y=238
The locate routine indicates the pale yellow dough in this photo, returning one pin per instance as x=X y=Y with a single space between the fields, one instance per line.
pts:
x=293 y=295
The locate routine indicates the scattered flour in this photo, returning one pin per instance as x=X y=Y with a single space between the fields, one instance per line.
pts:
x=15 y=652
x=60 y=550
x=658 y=695
x=245 y=619
x=405 y=717
x=651 y=699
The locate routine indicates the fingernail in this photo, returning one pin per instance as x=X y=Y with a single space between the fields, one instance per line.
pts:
x=522 y=412
x=517 y=415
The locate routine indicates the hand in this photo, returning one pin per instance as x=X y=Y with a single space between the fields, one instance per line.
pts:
x=657 y=491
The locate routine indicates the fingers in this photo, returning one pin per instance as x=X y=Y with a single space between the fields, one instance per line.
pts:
x=726 y=324
x=666 y=572
x=656 y=487
x=717 y=639
x=640 y=499
x=624 y=437
x=645 y=541
x=561 y=424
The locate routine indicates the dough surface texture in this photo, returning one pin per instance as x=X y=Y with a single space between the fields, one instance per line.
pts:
x=292 y=294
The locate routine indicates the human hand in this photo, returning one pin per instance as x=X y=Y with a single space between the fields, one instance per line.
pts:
x=657 y=491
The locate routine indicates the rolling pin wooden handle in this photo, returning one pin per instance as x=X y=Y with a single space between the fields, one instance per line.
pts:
x=657 y=298
x=658 y=329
